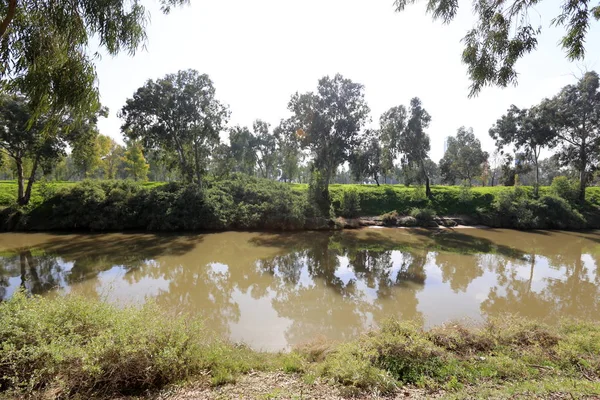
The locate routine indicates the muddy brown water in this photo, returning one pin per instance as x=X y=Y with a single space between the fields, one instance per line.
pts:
x=272 y=291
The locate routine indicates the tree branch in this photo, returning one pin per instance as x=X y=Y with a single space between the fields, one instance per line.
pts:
x=12 y=6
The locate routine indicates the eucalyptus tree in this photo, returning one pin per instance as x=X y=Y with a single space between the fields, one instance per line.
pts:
x=266 y=146
x=242 y=151
x=528 y=131
x=289 y=153
x=366 y=160
x=505 y=31
x=574 y=114
x=392 y=124
x=180 y=115
x=414 y=142
x=464 y=157
x=329 y=123
x=42 y=140
x=45 y=48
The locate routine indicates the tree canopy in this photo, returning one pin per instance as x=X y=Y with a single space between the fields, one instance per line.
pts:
x=464 y=157
x=330 y=123
x=504 y=32
x=414 y=142
x=44 y=48
x=574 y=115
x=180 y=115
x=43 y=142
x=527 y=130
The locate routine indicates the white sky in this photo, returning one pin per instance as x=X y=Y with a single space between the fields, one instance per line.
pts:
x=259 y=52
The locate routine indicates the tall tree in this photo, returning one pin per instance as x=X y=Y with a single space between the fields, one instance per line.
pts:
x=575 y=116
x=178 y=114
x=330 y=121
x=111 y=155
x=392 y=124
x=366 y=160
x=43 y=142
x=135 y=162
x=464 y=158
x=528 y=130
x=44 y=48
x=414 y=142
x=242 y=149
x=288 y=147
x=266 y=146
x=504 y=32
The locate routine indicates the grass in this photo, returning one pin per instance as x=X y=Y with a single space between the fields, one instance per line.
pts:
x=72 y=347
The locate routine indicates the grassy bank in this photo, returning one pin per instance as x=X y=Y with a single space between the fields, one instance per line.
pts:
x=70 y=347
x=243 y=202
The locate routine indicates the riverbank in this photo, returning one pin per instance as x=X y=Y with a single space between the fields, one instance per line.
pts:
x=70 y=347
x=247 y=203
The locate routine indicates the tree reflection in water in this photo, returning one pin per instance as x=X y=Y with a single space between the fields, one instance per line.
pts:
x=335 y=285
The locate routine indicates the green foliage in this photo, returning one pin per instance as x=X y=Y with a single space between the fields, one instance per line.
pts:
x=350 y=204
x=350 y=366
x=390 y=219
x=418 y=195
x=180 y=127
x=565 y=188
x=319 y=199
x=329 y=122
x=465 y=192
x=502 y=34
x=452 y=356
x=515 y=208
x=240 y=202
x=463 y=160
x=68 y=346
x=71 y=345
x=135 y=163
x=423 y=215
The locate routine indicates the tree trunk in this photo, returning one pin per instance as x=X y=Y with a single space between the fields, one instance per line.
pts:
x=427 y=188
x=536 y=189
x=30 y=181
x=582 y=173
x=21 y=189
x=376 y=180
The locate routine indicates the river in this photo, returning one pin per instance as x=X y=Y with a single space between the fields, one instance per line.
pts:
x=272 y=291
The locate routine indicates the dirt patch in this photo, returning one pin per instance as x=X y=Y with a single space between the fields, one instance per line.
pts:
x=278 y=385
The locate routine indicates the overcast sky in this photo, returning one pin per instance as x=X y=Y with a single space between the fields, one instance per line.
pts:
x=259 y=52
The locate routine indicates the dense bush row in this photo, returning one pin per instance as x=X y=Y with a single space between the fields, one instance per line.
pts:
x=238 y=203
x=244 y=202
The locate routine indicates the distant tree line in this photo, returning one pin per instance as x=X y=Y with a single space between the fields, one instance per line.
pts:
x=175 y=128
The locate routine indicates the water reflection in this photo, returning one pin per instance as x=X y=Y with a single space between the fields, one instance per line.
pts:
x=273 y=290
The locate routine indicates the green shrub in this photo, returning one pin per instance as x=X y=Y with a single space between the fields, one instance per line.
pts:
x=240 y=202
x=350 y=204
x=423 y=215
x=390 y=219
x=402 y=350
x=465 y=194
x=419 y=195
x=74 y=346
x=351 y=365
x=557 y=213
x=566 y=188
